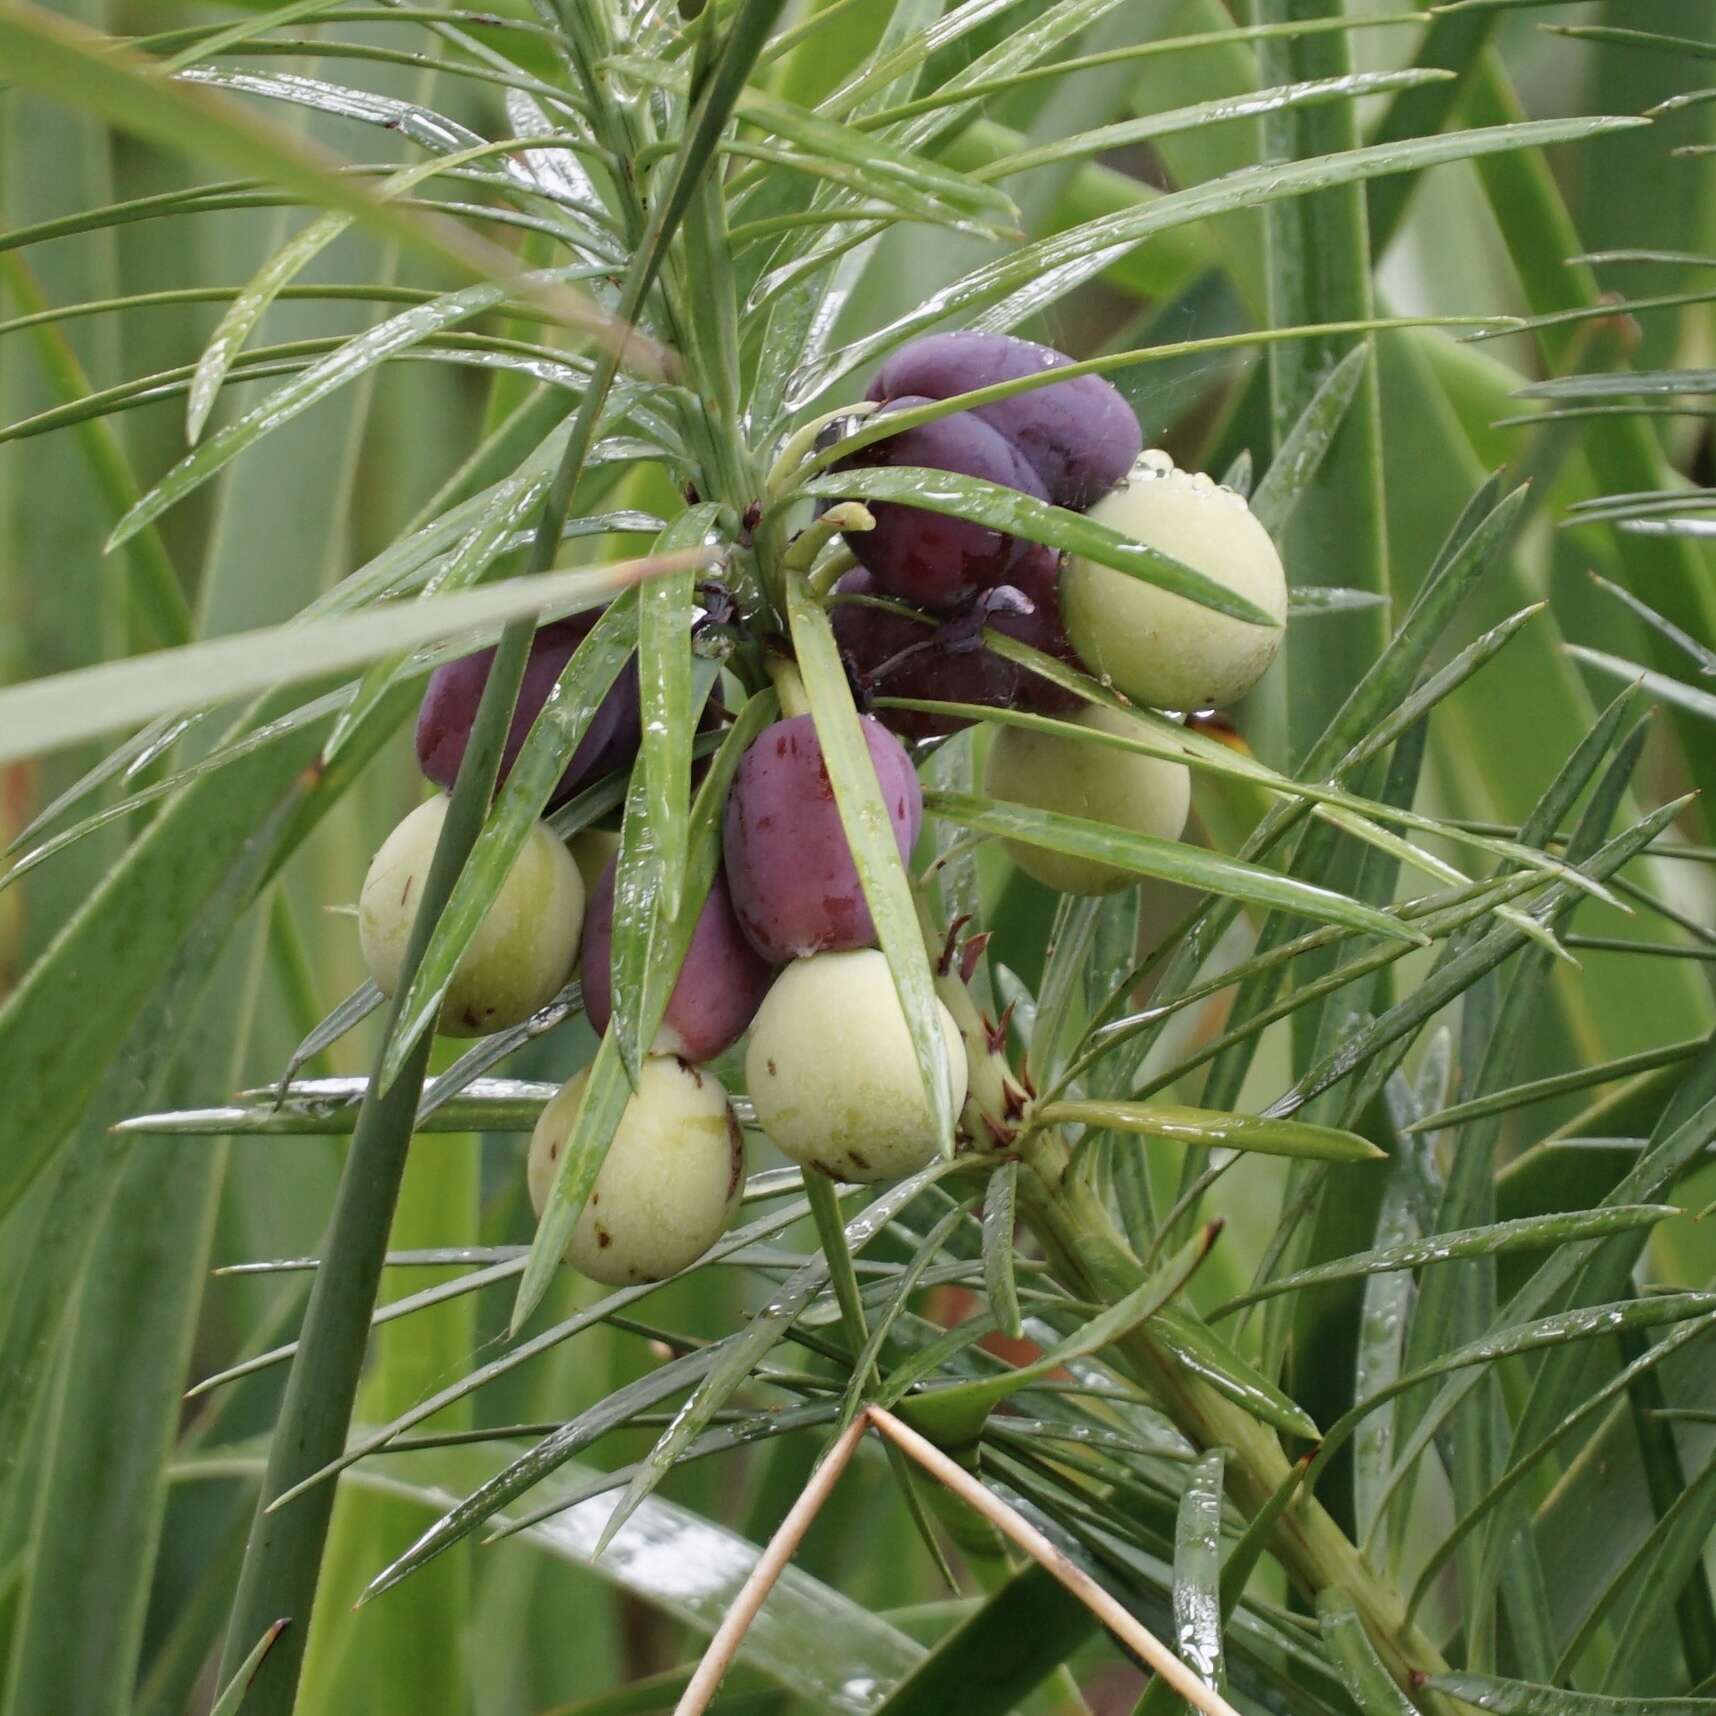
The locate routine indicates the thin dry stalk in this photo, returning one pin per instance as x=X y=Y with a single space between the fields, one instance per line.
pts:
x=724 y=1646
x=1127 y=1628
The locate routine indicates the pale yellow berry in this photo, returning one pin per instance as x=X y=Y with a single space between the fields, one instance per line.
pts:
x=524 y=949
x=832 y=1075
x=1075 y=776
x=667 y=1187
x=1160 y=649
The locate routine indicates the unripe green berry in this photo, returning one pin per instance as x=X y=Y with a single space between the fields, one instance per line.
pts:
x=831 y=1072
x=524 y=949
x=591 y=848
x=667 y=1187
x=1074 y=776
x=1158 y=648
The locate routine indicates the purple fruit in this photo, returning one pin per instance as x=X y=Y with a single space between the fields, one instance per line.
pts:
x=790 y=873
x=1079 y=436
x=720 y=986
x=928 y=557
x=455 y=688
x=1037 y=578
x=903 y=657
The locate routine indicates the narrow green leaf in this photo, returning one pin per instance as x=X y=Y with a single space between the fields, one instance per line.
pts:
x=664 y=682
x=989 y=1663
x=1197 y=1572
x=1021 y=515
x=610 y=1305
x=328 y=1108
x=1300 y=456
x=1520 y=1698
x=1168 y=860
x=1528 y=1233
x=232 y=1694
x=1671 y=691
x=870 y=834
x=1278 y=98
x=345 y=364
x=1458 y=974
x=1209 y=1357
x=1587 y=1322
x=1001 y=294
x=1000 y=1203
x=954 y=1414
x=558 y=730
x=1209 y=1129
x=883 y=169
x=816 y=1642
x=746 y=1350
x=47 y=714
x=88 y=70
x=649 y=942
x=609 y=1088
x=864 y=1365
x=1368 y=1683
x=716 y=1370
x=251 y=302
x=1539 y=1090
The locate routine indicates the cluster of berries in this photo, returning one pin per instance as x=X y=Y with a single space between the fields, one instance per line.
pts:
x=785 y=947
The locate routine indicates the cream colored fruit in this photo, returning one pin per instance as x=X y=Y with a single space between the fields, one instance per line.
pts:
x=831 y=1072
x=591 y=848
x=1161 y=649
x=524 y=949
x=669 y=1184
x=1076 y=776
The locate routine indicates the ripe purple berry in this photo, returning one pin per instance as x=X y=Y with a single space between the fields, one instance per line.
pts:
x=720 y=986
x=456 y=687
x=790 y=873
x=931 y=558
x=1079 y=436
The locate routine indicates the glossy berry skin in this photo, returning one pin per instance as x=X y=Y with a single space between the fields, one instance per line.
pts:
x=1079 y=436
x=789 y=869
x=456 y=687
x=1074 y=776
x=670 y=1182
x=524 y=949
x=1162 y=649
x=930 y=558
x=720 y=986
x=831 y=1073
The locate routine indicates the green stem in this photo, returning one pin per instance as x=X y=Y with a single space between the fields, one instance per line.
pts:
x=1084 y=1246
x=283 y=1558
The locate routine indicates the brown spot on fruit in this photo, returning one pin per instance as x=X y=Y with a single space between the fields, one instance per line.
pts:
x=857 y=1161
x=603 y=1238
x=405 y=892
x=773 y=1071
x=735 y=1154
